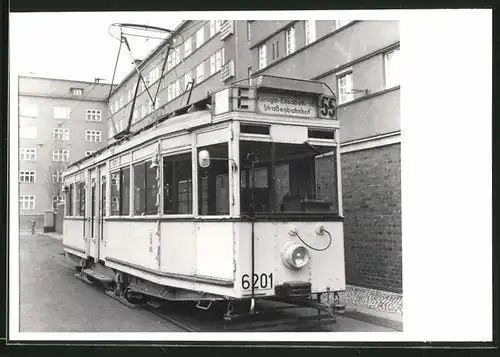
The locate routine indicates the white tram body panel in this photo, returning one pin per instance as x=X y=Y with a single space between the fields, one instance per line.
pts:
x=211 y=254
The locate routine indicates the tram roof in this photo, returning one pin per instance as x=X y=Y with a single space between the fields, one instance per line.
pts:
x=275 y=83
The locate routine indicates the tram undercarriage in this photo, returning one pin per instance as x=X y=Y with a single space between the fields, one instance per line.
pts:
x=135 y=292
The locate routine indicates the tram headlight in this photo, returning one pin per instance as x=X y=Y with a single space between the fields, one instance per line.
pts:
x=295 y=256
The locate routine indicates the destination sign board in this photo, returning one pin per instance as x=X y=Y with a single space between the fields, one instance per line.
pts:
x=297 y=106
x=287 y=105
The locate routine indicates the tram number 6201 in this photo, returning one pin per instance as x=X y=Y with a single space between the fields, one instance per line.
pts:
x=262 y=281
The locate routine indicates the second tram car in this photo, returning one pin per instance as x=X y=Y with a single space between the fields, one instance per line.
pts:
x=234 y=198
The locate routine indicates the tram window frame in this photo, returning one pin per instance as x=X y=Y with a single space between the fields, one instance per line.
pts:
x=80 y=199
x=211 y=178
x=294 y=164
x=123 y=192
x=69 y=201
x=149 y=206
x=177 y=169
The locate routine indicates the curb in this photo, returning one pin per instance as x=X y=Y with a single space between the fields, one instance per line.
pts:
x=53 y=236
x=385 y=319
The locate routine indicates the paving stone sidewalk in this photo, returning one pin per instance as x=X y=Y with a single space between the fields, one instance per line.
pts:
x=373 y=299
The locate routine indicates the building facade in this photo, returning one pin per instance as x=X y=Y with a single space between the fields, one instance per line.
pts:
x=60 y=121
x=358 y=60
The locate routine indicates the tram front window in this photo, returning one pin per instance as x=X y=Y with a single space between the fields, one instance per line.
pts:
x=289 y=178
x=213 y=182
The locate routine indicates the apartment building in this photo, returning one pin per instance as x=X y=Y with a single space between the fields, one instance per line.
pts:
x=358 y=60
x=196 y=60
x=60 y=121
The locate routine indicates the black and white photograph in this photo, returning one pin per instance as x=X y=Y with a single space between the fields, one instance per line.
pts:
x=212 y=176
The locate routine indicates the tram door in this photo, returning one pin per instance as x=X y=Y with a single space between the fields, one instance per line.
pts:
x=93 y=214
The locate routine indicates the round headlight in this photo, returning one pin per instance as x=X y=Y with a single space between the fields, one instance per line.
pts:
x=295 y=256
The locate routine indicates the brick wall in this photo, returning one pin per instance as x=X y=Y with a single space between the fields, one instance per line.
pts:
x=371 y=181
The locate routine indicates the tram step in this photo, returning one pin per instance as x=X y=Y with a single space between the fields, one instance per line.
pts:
x=102 y=278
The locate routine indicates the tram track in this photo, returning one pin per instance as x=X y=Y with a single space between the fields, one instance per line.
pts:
x=188 y=318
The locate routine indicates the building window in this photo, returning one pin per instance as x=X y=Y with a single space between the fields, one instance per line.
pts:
x=80 y=199
x=60 y=134
x=29 y=110
x=169 y=93
x=200 y=37
x=27 y=154
x=154 y=75
x=262 y=57
x=392 y=69
x=77 y=92
x=61 y=113
x=26 y=176
x=28 y=132
x=344 y=83
x=120 y=192
x=93 y=135
x=212 y=64
x=249 y=30
x=178 y=88
x=219 y=59
x=310 y=29
x=27 y=202
x=200 y=73
x=93 y=115
x=60 y=155
x=213 y=183
x=88 y=153
x=290 y=40
x=177 y=184
x=145 y=189
x=250 y=76
x=187 y=47
x=57 y=177
x=212 y=28
x=188 y=78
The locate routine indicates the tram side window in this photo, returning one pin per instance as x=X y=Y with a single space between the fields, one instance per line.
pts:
x=213 y=182
x=177 y=184
x=145 y=189
x=69 y=201
x=80 y=199
x=120 y=192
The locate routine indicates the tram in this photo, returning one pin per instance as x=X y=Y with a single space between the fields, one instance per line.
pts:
x=232 y=199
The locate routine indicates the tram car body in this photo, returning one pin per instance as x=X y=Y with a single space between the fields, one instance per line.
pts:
x=233 y=198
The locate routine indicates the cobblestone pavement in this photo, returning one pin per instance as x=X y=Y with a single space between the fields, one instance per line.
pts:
x=53 y=300
x=373 y=299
